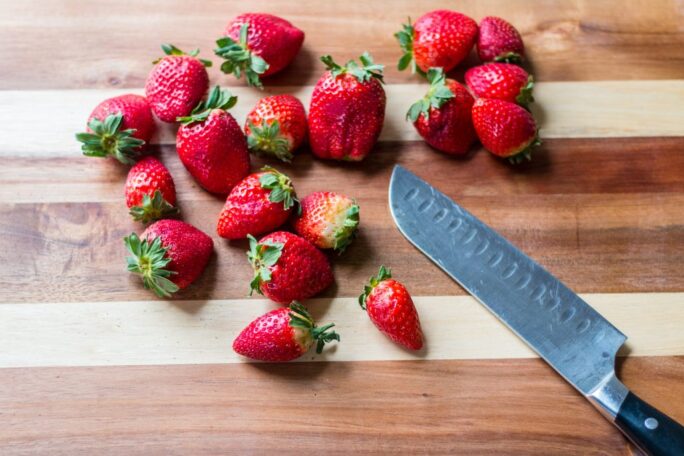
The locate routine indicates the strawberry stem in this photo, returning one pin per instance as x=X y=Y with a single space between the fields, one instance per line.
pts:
x=266 y=139
x=107 y=138
x=262 y=256
x=436 y=96
x=301 y=318
x=218 y=99
x=363 y=73
x=170 y=49
x=405 y=38
x=383 y=274
x=509 y=57
x=240 y=59
x=346 y=233
x=525 y=96
x=153 y=208
x=149 y=260
x=280 y=186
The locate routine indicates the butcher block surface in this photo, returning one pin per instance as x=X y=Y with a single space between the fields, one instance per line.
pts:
x=91 y=363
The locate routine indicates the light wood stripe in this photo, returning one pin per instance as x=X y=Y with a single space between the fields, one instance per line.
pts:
x=43 y=123
x=197 y=332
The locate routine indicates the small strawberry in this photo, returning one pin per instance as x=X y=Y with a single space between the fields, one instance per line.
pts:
x=177 y=83
x=287 y=267
x=499 y=41
x=276 y=126
x=443 y=116
x=283 y=335
x=328 y=220
x=505 y=129
x=118 y=127
x=440 y=38
x=347 y=110
x=258 y=45
x=150 y=191
x=211 y=144
x=260 y=203
x=392 y=311
x=501 y=81
x=169 y=255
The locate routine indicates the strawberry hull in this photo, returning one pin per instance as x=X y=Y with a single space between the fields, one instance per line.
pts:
x=136 y=112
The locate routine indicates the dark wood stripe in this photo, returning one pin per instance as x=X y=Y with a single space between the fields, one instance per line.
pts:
x=566 y=40
x=464 y=407
x=603 y=215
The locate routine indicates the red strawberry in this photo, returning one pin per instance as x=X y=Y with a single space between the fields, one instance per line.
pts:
x=443 y=116
x=501 y=81
x=440 y=38
x=118 y=126
x=328 y=220
x=211 y=144
x=276 y=126
x=391 y=310
x=347 y=110
x=176 y=83
x=499 y=41
x=169 y=255
x=283 y=335
x=150 y=191
x=258 y=44
x=287 y=267
x=505 y=129
x=259 y=204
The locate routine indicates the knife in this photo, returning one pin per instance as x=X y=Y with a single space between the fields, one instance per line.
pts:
x=564 y=330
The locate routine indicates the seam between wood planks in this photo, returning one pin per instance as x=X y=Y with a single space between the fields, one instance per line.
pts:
x=587 y=109
x=201 y=332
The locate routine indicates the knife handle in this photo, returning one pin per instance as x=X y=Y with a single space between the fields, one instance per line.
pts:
x=651 y=430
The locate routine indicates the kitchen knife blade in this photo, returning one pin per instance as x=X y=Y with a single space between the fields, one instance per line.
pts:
x=563 y=329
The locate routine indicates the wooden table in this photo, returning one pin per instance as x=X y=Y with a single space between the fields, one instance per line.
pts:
x=93 y=364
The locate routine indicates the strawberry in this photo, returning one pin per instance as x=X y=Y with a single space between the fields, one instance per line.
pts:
x=440 y=38
x=287 y=267
x=258 y=204
x=258 y=44
x=328 y=220
x=276 y=126
x=283 y=335
x=118 y=127
x=176 y=83
x=505 y=129
x=347 y=110
x=499 y=41
x=211 y=144
x=150 y=191
x=501 y=81
x=443 y=116
x=169 y=255
x=390 y=308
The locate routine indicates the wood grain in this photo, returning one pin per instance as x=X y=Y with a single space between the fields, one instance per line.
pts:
x=110 y=45
x=618 y=228
x=595 y=109
x=201 y=332
x=414 y=407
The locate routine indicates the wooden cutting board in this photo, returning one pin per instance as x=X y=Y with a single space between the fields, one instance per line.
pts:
x=93 y=364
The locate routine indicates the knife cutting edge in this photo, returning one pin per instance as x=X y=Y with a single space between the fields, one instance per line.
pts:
x=555 y=322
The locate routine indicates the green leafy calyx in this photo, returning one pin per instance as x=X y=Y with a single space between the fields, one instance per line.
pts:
x=405 y=38
x=509 y=57
x=263 y=256
x=170 y=49
x=240 y=59
x=153 y=208
x=526 y=153
x=301 y=319
x=108 y=139
x=383 y=274
x=149 y=260
x=280 y=186
x=364 y=73
x=218 y=99
x=525 y=96
x=346 y=233
x=436 y=96
x=267 y=139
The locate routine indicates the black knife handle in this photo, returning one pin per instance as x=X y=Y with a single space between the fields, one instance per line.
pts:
x=651 y=430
